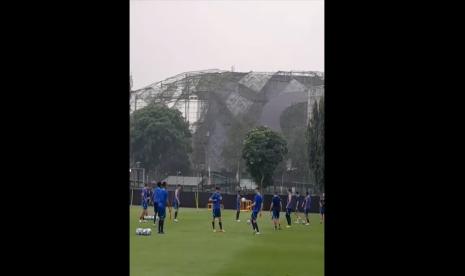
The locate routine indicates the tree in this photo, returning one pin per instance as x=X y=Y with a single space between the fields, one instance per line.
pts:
x=160 y=139
x=263 y=150
x=316 y=145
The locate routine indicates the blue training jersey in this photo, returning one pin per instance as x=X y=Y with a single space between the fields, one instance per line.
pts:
x=258 y=203
x=216 y=199
x=308 y=202
x=292 y=203
x=276 y=202
x=145 y=195
x=162 y=196
x=156 y=194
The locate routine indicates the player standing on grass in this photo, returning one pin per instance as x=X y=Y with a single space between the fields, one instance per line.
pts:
x=145 y=203
x=306 y=205
x=176 y=202
x=162 y=201
x=275 y=208
x=289 y=207
x=298 y=200
x=238 y=205
x=322 y=208
x=257 y=208
x=216 y=199
x=150 y=196
x=156 y=192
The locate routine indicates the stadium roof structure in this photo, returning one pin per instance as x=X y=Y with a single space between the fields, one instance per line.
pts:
x=216 y=103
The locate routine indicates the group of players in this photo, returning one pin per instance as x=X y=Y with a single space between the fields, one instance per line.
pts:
x=159 y=197
x=293 y=203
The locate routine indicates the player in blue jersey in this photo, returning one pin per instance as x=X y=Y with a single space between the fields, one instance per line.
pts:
x=256 y=209
x=177 y=202
x=306 y=205
x=238 y=205
x=145 y=203
x=216 y=209
x=322 y=208
x=297 y=202
x=290 y=207
x=162 y=201
x=155 y=194
x=275 y=208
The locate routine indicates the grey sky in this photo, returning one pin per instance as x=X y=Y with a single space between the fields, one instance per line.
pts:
x=171 y=37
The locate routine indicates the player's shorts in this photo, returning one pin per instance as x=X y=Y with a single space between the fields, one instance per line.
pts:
x=289 y=211
x=322 y=210
x=176 y=205
x=238 y=207
x=307 y=211
x=144 y=205
x=161 y=212
x=216 y=212
x=275 y=214
x=254 y=215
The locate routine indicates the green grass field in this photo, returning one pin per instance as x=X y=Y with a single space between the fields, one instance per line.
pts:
x=190 y=247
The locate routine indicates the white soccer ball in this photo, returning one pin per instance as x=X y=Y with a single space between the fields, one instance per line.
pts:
x=144 y=232
x=248 y=221
x=243 y=199
x=139 y=231
x=148 y=231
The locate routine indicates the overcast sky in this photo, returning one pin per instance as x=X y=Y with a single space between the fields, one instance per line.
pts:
x=171 y=37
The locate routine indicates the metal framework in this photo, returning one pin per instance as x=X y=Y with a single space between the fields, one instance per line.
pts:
x=181 y=91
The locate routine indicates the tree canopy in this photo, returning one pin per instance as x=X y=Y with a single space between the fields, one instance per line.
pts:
x=263 y=150
x=160 y=139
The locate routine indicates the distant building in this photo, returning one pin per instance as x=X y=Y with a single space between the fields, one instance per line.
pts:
x=188 y=183
x=247 y=184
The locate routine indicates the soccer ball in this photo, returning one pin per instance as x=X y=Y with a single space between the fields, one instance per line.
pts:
x=243 y=199
x=148 y=232
x=248 y=221
x=139 y=231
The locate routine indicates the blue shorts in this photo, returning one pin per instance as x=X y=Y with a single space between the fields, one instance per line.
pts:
x=144 y=205
x=307 y=210
x=289 y=211
x=176 y=205
x=216 y=213
x=238 y=207
x=254 y=215
x=275 y=214
x=322 y=210
x=161 y=212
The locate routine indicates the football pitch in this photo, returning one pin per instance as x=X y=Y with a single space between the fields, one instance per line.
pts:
x=190 y=247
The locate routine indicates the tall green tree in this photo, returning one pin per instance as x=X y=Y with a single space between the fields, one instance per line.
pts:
x=316 y=145
x=263 y=150
x=160 y=139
